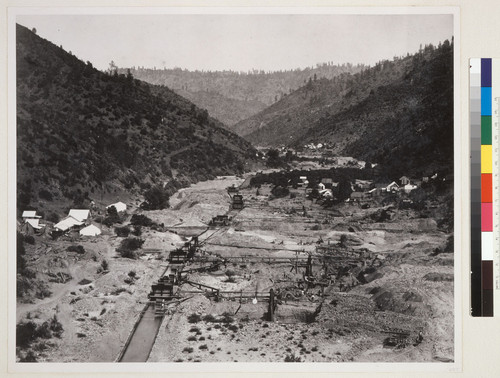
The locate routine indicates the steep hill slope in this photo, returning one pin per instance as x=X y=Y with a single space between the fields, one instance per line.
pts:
x=82 y=133
x=228 y=110
x=234 y=96
x=398 y=110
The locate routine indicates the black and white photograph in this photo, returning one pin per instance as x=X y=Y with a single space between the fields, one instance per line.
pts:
x=234 y=186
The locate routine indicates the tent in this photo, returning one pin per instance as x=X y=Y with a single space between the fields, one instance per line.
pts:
x=90 y=231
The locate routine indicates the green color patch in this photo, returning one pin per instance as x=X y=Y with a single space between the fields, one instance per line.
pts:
x=485 y=130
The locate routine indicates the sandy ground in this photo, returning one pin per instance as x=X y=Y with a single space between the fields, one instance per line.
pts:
x=350 y=326
x=408 y=289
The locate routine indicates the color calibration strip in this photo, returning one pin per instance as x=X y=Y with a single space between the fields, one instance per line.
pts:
x=482 y=179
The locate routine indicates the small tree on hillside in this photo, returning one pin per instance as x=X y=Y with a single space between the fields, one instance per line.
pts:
x=156 y=198
x=273 y=158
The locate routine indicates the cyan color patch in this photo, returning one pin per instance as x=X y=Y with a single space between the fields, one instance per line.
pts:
x=485 y=101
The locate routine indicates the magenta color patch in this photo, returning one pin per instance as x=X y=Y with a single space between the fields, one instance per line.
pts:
x=486 y=217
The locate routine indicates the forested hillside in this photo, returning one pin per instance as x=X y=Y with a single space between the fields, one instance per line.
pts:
x=81 y=132
x=234 y=96
x=399 y=112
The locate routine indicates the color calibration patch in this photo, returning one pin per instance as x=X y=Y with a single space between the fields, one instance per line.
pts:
x=483 y=107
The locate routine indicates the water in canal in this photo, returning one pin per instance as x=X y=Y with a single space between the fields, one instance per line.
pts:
x=143 y=338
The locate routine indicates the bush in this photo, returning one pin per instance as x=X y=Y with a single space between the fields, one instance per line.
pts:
x=43 y=331
x=230 y=273
x=292 y=358
x=280 y=191
x=111 y=219
x=122 y=231
x=141 y=220
x=203 y=347
x=449 y=244
x=104 y=265
x=30 y=357
x=21 y=251
x=25 y=334
x=28 y=332
x=76 y=248
x=194 y=318
x=137 y=231
x=128 y=247
x=45 y=194
x=156 y=198
x=191 y=338
x=188 y=350
x=53 y=217
x=112 y=211
x=227 y=317
x=29 y=239
x=209 y=318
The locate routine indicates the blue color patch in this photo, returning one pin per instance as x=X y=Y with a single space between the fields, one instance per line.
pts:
x=485 y=72
x=485 y=101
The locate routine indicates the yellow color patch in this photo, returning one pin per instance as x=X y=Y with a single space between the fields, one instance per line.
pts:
x=486 y=159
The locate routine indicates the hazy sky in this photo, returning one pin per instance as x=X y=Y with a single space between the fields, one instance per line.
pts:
x=238 y=42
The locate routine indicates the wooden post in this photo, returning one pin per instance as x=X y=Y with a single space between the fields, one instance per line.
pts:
x=271 y=305
x=309 y=266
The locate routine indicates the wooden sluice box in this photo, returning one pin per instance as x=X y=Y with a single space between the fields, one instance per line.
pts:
x=178 y=257
x=161 y=290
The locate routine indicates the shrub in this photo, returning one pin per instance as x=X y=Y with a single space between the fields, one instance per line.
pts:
x=53 y=217
x=122 y=231
x=128 y=247
x=141 y=220
x=188 y=350
x=209 y=318
x=43 y=331
x=28 y=332
x=111 y=219
x=132 y=274
x=137 y=231
x=449 y=244
x=203 y=347
x=230 y=273
x=192 y=338
x=76 y=248
x=45 y=194
x=25 y=334
x=29 y=239
x=292 y=358
x=194 y=318
x=227 y=317
x=104 y=265
x=280 y=191
x=30 y=357
x=156 y=198
x=112 y=211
